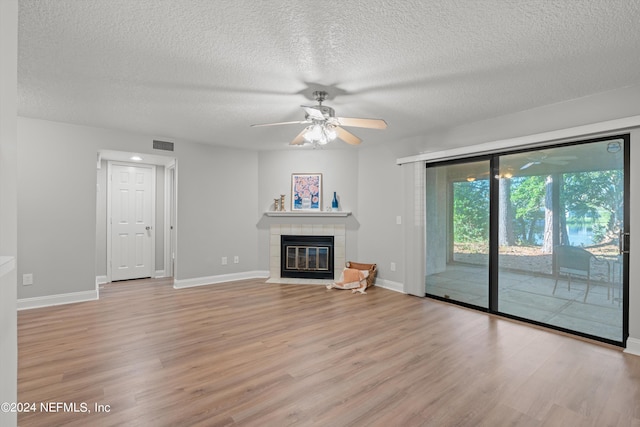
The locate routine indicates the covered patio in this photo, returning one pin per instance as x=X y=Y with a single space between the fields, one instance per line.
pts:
x=526 y=289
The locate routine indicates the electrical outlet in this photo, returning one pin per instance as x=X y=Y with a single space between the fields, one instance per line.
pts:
x=393 y=266
x=224 y=260
x=27 y=279
x=236 y=259
x=399 y=220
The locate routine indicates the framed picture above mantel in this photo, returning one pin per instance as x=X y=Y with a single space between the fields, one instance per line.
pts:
x=306 y=192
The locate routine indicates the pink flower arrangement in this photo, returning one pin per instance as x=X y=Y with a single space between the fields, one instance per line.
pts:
x=306 y=187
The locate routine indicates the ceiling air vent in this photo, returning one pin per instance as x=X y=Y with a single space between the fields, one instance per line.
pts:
x=163 y=145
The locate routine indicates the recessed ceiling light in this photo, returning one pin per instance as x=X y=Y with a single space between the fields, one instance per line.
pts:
x=135 y=158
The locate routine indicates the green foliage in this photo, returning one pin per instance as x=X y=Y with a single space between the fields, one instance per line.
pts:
x=527 y=198
x=471 y=211
x=596 y=197
x=589 y=198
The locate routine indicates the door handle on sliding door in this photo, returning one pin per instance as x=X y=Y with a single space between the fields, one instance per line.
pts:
x=623 y=242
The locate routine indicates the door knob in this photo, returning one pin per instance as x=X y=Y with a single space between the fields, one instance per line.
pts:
x=147 y=228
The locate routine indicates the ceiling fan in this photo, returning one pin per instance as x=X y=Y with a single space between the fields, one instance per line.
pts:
x=324 y=126
x=543 y=157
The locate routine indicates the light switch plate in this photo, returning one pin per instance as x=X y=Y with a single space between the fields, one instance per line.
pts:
x=27 y=279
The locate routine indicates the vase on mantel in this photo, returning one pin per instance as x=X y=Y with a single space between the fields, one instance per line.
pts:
x=334 y=202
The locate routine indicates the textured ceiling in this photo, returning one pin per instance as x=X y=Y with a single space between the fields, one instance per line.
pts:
x=203 y=71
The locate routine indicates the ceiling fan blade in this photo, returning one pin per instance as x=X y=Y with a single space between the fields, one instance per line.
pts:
x=347 y=136
x=299 y=140
x=281 y=123
x=528 y=165
x=313 y=113
x=362 y=123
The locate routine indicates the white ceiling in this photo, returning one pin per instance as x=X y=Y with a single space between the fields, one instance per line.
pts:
x=203 y=71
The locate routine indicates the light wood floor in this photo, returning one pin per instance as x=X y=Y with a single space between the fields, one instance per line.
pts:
x=251 y=354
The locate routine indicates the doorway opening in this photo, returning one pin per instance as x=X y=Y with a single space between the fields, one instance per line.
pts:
x=161 y=234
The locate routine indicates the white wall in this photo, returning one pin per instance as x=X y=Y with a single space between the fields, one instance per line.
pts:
x=217 y=205
x=8 y=204
x=380 y=202
x=217 y=210
x=56 y=207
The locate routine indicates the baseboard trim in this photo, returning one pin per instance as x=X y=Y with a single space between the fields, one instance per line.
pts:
x=633 y=346
x=50 y=300
x=159 y=274
x=222 y=278
x=391 y=285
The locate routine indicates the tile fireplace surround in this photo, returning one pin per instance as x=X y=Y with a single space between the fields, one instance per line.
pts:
x=338 y=231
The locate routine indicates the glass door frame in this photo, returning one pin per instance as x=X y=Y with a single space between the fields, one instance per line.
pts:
x=493 y=303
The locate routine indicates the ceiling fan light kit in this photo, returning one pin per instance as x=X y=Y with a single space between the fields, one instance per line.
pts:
x=324 y=127
x=319 y=133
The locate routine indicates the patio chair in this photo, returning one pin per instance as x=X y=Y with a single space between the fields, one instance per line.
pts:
x=574 y=261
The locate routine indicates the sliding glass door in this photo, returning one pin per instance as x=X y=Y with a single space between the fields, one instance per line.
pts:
x=457 y=225
x=538 y=235
x=559 y=254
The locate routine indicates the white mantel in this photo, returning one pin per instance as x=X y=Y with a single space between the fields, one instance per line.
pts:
x=301 y=214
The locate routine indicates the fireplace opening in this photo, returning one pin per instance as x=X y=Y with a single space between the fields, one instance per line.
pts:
x=306 y=257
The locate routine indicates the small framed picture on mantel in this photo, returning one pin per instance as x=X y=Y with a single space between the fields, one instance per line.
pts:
x=306 y=191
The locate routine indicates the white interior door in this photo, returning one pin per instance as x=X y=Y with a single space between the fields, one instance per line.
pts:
x=132 y=221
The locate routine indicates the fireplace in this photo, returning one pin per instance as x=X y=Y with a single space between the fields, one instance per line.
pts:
x=276 y=231
x=306 y=257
